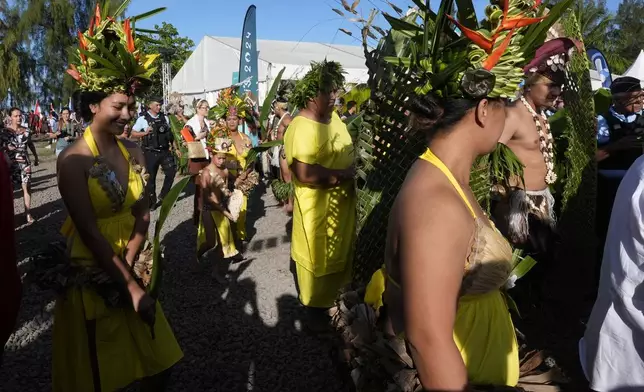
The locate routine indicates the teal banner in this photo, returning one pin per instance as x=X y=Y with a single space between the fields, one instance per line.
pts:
x=248 y=74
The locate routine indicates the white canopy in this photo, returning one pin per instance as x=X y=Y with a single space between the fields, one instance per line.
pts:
x=211 y=66
x=637 y=69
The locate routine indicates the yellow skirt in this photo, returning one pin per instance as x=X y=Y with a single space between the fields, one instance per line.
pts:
x=483 y=333
x=320 y=291
x=224 y=235
x=241 y=221
x=125 y=349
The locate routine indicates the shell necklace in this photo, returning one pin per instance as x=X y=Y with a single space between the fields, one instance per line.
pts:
x=545 y=142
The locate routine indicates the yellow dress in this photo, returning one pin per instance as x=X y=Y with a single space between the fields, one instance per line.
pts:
x=125 y=349
x=324 y=219
x=240 y=157
x=225 y=234
x=483 y=329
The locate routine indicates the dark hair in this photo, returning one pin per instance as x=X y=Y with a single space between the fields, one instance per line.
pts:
x=431 y=114
x=351 y=104
x=83 y=99
x=13 y=109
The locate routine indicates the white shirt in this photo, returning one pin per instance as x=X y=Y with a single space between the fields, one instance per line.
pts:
x=612 y=349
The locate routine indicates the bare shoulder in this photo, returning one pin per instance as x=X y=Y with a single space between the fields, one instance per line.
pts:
x=75 y=158
x=428 y=200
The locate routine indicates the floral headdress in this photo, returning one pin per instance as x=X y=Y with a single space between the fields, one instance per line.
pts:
x=108 y=58
x=217 y=144
x=490 y=64
x=228 y=104
x=324 y=77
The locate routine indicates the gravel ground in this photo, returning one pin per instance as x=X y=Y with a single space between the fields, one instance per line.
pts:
x=246 y=335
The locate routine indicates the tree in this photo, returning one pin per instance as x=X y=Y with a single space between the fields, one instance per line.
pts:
x=167 y=39
x=630 y=28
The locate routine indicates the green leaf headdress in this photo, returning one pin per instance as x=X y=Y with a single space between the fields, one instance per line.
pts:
x=324 y=77
x=228 y=103
x=486 y=60
x=108 y=58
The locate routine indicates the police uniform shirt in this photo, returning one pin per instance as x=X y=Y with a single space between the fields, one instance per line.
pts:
x=603 y=136
x=141 y=123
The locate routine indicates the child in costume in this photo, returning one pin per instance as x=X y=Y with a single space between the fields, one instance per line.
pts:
x=232 y=109
x=108 y=331
x=221 y=205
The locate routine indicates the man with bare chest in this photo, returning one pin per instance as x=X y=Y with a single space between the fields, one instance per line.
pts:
x=525 y=210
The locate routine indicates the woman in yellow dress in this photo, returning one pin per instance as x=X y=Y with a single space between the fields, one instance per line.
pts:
x=215 y=232
x=97 y=345
x=319 y=153
x=446 y=264
x=233 y=109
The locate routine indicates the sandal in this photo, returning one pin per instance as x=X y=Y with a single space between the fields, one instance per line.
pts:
x=30 y=219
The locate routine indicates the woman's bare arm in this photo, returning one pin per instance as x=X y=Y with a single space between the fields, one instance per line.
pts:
x=320 y=176
x=434 y=239
x=72 y=166
x=140 y=211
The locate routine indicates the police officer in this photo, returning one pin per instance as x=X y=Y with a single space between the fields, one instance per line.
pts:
x=157 y=141
x=620 y=141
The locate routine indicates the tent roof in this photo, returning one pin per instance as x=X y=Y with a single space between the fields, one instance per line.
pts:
x=301 y=53
x=637 y=69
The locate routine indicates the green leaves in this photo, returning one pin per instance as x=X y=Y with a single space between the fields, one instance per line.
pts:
x=157 y=264
x=504 y=164
x=441 y=21
x=401 y=25
x=254 y=152
x=176 y=126
x=536 y=33
x=266 y=107
x=467 y=14
x=148 y=14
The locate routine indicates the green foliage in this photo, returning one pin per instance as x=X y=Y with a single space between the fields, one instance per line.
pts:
x=176 y=126
x=254 y=152
x=359 y=94
x=629 y=23
x=166 y=40
x=603 y=99
x=324 y=77
x=385 y=148
x=616 y=35
x=266 y=107
x=578 y=177
x=157 y=264
x=282 y=190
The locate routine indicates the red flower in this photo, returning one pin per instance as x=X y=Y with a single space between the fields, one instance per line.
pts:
x=479 y=39
x=97 y=15
x=83 y=46
x=518 y=22
x=128 y=36
x=73 y=72
x=494 y=58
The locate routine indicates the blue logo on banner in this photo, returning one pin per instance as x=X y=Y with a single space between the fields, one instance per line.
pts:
x=599 y=63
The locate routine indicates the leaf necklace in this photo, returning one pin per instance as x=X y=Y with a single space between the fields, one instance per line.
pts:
x=545 y=142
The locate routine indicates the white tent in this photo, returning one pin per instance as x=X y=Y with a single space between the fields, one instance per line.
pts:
x=212 y=64
x=637 y=69
x=596 y=79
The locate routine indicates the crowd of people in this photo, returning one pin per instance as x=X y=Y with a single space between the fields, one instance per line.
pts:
x=447 y=305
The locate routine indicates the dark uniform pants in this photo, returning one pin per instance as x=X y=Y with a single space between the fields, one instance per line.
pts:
x=154 y=159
